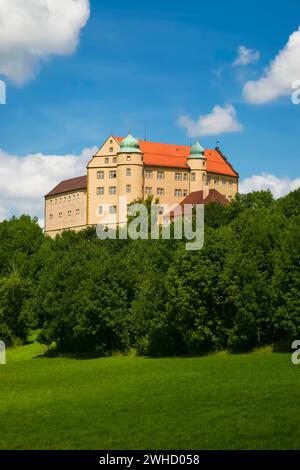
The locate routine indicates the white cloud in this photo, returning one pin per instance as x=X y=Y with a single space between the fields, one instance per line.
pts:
x=219 y=121
x=32 y=30
x=278 y=77
x=25 y=180
x=278 y=186
x=246 y=56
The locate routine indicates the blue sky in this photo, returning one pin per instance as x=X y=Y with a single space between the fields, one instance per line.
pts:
x=144 y=64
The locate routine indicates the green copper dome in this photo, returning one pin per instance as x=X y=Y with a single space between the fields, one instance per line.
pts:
x=129 y=145
x=197 y=151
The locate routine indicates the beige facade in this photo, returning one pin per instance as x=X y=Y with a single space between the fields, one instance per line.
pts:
x=65 y=211
x=134 y=173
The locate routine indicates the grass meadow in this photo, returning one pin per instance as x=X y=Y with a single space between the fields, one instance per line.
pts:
x=222 y=401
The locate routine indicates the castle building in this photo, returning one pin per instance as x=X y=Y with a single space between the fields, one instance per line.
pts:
x=137 y=169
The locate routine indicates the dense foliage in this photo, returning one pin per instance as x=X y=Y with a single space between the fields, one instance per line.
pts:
x=90 y=296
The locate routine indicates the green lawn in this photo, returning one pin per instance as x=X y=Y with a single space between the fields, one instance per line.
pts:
x=217 y=402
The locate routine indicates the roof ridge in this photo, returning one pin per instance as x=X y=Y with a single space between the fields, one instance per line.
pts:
x=226 y=160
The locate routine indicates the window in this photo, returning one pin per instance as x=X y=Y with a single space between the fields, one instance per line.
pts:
x=208 y=179
x=203 y=177
x=77 y=196
x=112 y=190
x=112 y=209
x=111 y=149
x=160 y=191
x=100 y=210
x=74 y=195
x=55 y=201
x=112 y=174
x=77 y=211
x=178 y=192
x=60 y=200
x=115 y=160
x=128 y=171
x=65 y=198
x=106 y=160
x=111 y=141
x=100 y=175
x=69 y=197
x=160 y=175
x=100 y=191
x=148 y=173
x=128 y=188
x=69 y=213
x=50 y=201
x=128 y=158
x=185 y=193
x=193 y=177
x=178 y=176
x=185 y=176
x=51 y=216
x=160 y=210
x=148 y=190
x=223 y=181
x=216 y=180
x=230 y=182
x=60 y=215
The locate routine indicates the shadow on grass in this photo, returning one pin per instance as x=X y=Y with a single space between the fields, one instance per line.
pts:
x=82 y=356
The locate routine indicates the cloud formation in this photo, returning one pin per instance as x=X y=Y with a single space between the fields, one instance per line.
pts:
x=25 y=180
x=219 y=121
x=278 y=78
x=278 y=186
x=33 y=30
x=246 y=56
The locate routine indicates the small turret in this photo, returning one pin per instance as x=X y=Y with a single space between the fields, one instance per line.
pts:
x=130 y=169
x=197 y=164
x=130 y=145
x=197 y=151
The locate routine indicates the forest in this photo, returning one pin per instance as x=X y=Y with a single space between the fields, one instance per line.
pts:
x=82 y=295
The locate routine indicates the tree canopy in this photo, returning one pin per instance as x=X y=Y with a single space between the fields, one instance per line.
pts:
x=87 y=295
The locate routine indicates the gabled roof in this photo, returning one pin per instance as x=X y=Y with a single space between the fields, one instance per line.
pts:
x=67 y=186
x=198 y=197
x=171 y=155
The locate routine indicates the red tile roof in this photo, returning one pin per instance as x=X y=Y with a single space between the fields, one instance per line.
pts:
x=66 y=186
x=157 y=154
x=198 y=197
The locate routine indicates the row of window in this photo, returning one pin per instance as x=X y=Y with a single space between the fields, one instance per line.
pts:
x=161 y=192
x=112 y=174
x=218 y=180
x=64 y=199
x=111 y=210
x=60 y=214
x=112 y=190
x=114 y=159
x=179 y=176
